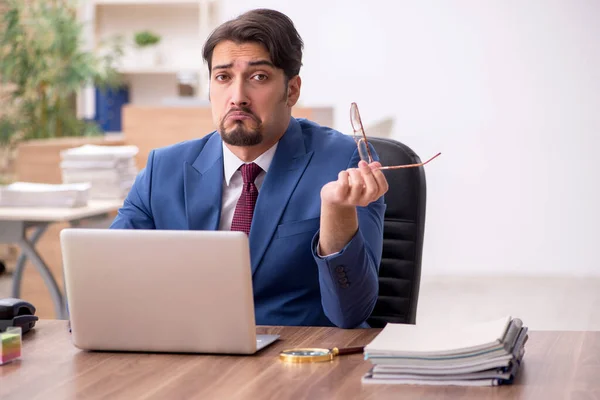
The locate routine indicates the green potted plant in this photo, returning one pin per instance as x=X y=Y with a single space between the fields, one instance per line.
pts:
x=43 y=65
x=146 y=43
x=8 y=145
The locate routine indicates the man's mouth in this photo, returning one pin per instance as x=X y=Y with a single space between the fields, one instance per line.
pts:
x=240 y=116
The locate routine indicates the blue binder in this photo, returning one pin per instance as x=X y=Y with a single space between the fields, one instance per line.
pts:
x=109 y=103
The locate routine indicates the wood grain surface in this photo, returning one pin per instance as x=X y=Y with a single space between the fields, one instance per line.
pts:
x=558 y=365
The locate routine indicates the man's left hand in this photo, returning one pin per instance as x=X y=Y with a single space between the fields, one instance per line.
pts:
x=356 y=186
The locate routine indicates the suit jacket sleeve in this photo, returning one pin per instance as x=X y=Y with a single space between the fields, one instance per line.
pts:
x=136 y=212
x=349 y=279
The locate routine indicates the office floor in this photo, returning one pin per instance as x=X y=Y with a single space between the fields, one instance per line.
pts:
x=544 y=303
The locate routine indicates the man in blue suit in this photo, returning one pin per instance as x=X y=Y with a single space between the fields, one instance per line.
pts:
x=313 y=210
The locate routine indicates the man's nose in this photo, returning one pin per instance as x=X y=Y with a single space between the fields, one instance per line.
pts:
x=239 y=95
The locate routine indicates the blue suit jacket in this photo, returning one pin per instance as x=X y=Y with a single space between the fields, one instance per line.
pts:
x=181 y=188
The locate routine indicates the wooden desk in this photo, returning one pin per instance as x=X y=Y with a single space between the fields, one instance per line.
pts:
x=14 y=223
x=558 y=365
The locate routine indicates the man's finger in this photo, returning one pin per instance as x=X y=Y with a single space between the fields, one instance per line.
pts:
x=375 y=165
x=382 y=182
x=371 y=185
x=357 y=186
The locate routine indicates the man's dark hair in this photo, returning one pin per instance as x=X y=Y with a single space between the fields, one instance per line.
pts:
x=274 y=30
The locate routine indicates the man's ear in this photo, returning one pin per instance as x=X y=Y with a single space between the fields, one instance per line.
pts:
x=293 y=90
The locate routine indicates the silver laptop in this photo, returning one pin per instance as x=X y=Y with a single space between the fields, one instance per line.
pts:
x=160 y=291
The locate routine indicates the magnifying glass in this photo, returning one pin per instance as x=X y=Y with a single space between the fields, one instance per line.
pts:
x=308 y=355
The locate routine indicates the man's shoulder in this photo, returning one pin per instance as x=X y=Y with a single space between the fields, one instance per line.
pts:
x=322 y=136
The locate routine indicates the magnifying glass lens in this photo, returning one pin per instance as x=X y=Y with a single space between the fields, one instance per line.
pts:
x=306 y=355
x=307 y=352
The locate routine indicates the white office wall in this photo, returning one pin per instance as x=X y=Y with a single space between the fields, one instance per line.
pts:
x=507 y=90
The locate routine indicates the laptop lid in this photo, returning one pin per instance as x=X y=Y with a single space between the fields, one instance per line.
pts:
x=157 y=290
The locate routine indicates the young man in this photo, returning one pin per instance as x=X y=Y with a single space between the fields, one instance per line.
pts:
x=313 y=213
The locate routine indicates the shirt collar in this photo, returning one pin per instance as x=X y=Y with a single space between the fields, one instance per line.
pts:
x=231 y=163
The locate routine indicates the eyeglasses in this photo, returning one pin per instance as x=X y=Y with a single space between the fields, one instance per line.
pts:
x=363 y=146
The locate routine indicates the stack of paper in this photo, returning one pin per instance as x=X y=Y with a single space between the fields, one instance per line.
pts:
x=26 y=194
x=110 y=170
x=484 y=354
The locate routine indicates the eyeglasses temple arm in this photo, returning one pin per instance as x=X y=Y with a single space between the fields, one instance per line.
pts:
x=410 y=165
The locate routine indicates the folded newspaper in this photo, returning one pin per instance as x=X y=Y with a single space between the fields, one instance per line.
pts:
x=482 y=354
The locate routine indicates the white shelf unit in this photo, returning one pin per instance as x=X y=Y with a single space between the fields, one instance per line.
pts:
x=183 y=26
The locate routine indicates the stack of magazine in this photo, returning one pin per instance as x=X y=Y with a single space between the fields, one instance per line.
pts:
x=481 y=354
x=110 y=170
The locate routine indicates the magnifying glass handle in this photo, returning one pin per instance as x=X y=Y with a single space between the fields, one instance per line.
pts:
x=350 y=350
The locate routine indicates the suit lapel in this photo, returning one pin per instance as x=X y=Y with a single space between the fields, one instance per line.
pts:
x=203 y=186
x=288 y=165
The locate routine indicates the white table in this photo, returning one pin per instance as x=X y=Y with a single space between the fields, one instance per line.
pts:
x=14 y=223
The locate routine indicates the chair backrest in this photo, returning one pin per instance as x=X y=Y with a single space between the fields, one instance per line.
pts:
x=403 y=232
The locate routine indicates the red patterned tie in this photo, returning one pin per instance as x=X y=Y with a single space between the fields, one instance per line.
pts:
x=242 y=216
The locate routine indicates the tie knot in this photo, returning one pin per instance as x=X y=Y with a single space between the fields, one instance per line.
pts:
x=250 y=172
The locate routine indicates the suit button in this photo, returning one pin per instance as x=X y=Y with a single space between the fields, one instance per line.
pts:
x=339 y=268
x=343 y=280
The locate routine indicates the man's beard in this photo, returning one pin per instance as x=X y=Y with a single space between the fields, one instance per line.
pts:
x=239 y=135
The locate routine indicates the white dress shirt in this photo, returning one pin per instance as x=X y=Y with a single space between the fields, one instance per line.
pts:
x=233 y=182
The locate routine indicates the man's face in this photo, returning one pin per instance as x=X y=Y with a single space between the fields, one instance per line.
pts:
x=250 y=99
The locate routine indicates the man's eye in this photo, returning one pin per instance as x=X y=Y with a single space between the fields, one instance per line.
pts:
x=260 y=77
x=221 y=78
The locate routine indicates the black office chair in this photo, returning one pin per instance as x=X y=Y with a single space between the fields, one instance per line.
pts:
x=403 y=231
